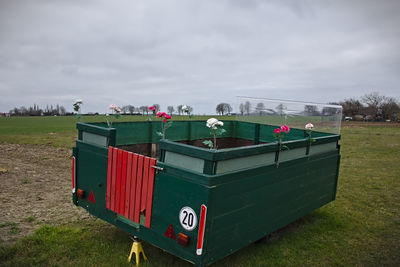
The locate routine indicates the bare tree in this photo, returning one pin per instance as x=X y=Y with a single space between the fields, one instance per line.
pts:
x=241 y=109
x=223 y=108
x=62 y=111
x=311 y=110
x=157 y=106
x=125 y=109
x=144 y=109
x=247 y=107
x=390 y=109
x=260 y=108
x=220 y=108
x=228 y=108
x=280 y=108
x=374 y=103
x=179 y=109
x=170 y=110
x=131 y=109
x=351 y=107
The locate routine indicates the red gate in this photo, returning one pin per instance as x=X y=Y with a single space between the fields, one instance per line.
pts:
x=130 y=184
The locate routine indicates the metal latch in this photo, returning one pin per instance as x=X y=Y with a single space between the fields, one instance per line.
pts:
x=157 y=168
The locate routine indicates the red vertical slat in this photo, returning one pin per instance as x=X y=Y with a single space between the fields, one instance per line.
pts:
x=145 y=183
x=150 y=189
x=138 y=193
x=128 y=184
x=109 y=177
x=118 y=182
x=113 y=178
x=133 y=186
x=123 y=182
x=73 y=174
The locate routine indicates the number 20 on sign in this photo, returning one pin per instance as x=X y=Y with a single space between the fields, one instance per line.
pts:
x=188 y=218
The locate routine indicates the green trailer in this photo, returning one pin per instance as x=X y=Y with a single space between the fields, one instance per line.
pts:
x=197 y=203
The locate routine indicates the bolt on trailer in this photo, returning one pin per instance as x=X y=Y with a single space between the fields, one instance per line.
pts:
x=203 y=204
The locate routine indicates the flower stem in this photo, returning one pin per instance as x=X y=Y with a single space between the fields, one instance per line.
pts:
x=215 y=141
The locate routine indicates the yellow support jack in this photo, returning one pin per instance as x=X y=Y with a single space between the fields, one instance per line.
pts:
x=137 y=249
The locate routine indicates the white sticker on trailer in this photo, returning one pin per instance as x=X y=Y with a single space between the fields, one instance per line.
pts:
x=188 y=218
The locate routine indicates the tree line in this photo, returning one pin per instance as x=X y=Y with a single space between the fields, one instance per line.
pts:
x=58 y=110
x=142 y=110
x=35 y=110
x=371 y=107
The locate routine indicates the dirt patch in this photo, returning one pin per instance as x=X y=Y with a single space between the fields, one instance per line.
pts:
x=35 y=189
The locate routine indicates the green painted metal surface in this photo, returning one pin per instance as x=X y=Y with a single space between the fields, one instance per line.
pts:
x=95 y=139
x=185 y=162
x=241 y=163
x=247 y=194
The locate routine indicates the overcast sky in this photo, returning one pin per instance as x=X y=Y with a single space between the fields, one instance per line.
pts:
x=198 y=53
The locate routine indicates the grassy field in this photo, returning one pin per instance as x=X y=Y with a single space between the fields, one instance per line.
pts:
x=360 y=228
x=57 y=131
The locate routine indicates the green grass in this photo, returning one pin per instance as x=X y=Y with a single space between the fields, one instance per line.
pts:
x=360 y=228
x=58 y=131
x=12 y=227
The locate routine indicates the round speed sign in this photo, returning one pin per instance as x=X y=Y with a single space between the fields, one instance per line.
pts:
x=188 y=218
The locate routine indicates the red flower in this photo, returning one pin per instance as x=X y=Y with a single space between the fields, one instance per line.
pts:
x=167 y=116
x=152 y=108
x=285 y=128
x=165 y=120
x=277 y=131
x=160 y=114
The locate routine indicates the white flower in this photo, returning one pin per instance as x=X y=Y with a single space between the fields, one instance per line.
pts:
x=213 y=123
x=184 y=107
x=309 y=126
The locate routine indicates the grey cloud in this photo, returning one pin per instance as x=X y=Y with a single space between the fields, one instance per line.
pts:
x=195 y=52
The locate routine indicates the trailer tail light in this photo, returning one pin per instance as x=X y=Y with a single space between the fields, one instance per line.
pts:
x=80 y=193
x=202 y=225
x=73 y=174
x=183 y=240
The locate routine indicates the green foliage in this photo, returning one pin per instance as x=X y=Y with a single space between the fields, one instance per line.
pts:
x=218 y=131
x=112 y=118
x=208 y=143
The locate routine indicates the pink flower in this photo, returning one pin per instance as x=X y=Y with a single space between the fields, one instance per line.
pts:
x=115 y=108
x=165 y=120
x=277 y=131
x=160 y=114
x=167 y=116
x=309 y=126
x=152 y=108
x=285 y=128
